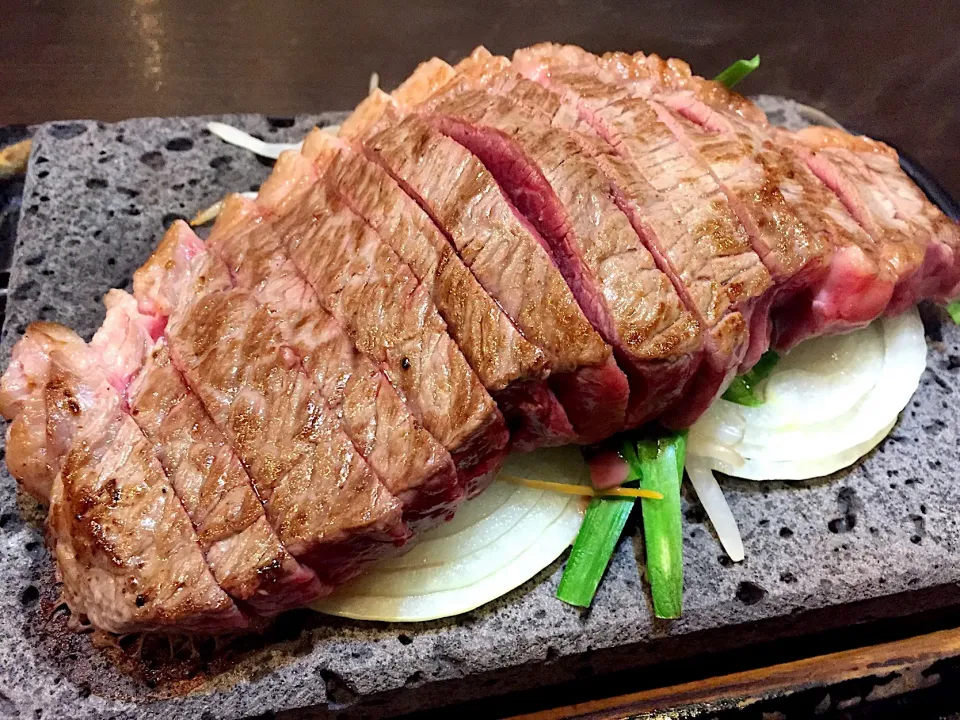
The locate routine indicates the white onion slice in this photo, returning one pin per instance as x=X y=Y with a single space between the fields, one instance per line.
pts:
x=495 y=543
x=236 y=136
x=827 y=403
x=715 y=505
x=416 y=608
x=560 y=464
x=697 y=445
x=801 y=468
x=818 y=380
x=471 y=513
x=482 y=536
x=463 y=570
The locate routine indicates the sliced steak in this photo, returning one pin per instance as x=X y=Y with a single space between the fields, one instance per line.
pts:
x=510 y=367
x=325 y=503
x=246 y=556
x=506 y=255
x=390 y=317
x=734 y=152
x=496 y=349
x=908 y=263
x=43 y=420
x=555 y=182
x=676 y=74
x=409 y=461
x=504 y=361
x=830 y=276
x=676 y=207
x=243 y=552
x=127 y=554
x=918 y=240
x=860 y=281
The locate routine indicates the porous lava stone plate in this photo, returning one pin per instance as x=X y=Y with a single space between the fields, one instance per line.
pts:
x=877 y=540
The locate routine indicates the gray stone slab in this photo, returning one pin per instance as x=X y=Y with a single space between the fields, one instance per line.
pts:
x=878 y=539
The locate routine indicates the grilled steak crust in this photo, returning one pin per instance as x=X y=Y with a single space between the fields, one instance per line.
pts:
x=497 y=351
x=553 y=180
x=356 y=277
x=710 y=252
x=915 y=237
x=409 y=461
x=124 y=546
x=491 y=238
x=246 y=556
x=830 y=277
x=325 y=503
x=510 y=367
x=125 y=549
x=777 y=235
x=481 y=447
x=867 y=269
x=675 y=74
x=676 y=207
x=41 y=414
x=509 y=259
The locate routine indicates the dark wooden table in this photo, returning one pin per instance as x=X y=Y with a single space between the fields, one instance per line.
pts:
x=890 y=69
x=886 y=68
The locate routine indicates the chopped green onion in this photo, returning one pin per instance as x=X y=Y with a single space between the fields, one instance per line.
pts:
x=659 y=464
x=954 y=310
x=593 y=549
x=743 y=389
x=738 y=71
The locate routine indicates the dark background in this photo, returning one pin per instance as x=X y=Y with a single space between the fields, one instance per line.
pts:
x=888 y=69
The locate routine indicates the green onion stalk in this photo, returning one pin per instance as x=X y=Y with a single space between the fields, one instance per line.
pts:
x=744 y=388
x=656 y=464
x=738 y=71
x=659 y=464
x=954 y=310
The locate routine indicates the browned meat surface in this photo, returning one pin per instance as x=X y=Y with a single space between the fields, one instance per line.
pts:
x=868 y=270
x=246 y=556
x=329 y=508
x=409 y=461
x=243 y=553
x=510 y=260
x=919 y=242
x=830 y=275
x=498 y=352
x=510 y=367
x=708 y=252
x=358 y=277
x=125 y=549
x=674 y=206
x=676 y=74
x=325 y=503
x=553 y=179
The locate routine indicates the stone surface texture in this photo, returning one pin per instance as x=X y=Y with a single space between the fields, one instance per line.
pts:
x=97 y=198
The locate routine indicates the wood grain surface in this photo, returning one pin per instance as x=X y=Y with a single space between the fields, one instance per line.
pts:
x=887 y=68
x=884 y=671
